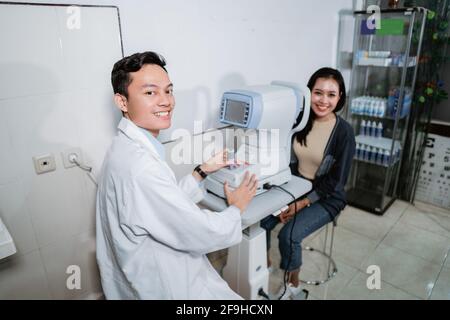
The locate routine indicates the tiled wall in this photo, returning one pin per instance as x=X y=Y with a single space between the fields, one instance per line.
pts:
x=54 y=95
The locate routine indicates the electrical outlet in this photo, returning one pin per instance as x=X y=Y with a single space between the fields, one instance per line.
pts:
x=44 y=164
x=68 y=153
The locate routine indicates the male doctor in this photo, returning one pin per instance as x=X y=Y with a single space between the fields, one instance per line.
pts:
x=152 y=238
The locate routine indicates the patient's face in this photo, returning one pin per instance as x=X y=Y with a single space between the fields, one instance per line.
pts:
x=325 y=96
x=150 y=100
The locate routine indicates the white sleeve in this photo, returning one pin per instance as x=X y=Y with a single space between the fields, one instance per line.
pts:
x=192 y=188
x=156 y=206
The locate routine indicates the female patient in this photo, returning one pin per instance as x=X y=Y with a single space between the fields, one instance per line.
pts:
x=324 y=150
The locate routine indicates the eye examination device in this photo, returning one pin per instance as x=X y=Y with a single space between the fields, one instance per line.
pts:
x=263 y=119
x=267 y=116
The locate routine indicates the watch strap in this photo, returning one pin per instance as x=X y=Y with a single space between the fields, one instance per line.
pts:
x=200 y=171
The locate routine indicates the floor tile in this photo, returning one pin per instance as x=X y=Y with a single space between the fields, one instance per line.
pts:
x=431 y=208
x=366 y=224
x=433 y=221
x=79 y=252
x=441 y=290
x=421 y=243
x=409 y=243
x=396 y=210
x=349 y=247
x=311 y=297
x=23 y=277
x=315 y=268
x=275 y=282
x=405 y=271
x=357 y=290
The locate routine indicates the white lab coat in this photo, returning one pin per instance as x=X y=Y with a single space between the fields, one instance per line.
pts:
x=152 y=238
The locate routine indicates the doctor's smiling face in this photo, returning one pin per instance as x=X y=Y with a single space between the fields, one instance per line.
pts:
x=145 y=96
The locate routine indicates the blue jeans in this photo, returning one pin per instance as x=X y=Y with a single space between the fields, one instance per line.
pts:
x=307 y=221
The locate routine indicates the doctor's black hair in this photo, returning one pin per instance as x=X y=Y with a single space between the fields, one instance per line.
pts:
x=325 y=73
x=120 y=75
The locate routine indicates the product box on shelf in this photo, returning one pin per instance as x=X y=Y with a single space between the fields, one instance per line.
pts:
x=392 y=104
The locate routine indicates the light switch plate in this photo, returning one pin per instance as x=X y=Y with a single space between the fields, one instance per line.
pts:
x=45 y=163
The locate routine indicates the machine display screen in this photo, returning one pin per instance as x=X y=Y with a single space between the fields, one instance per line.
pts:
x=235 y=111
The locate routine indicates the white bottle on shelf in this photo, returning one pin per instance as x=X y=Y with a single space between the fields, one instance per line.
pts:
x=376 y=157
x=359 y=105
x=371 y=110
x=366 y=106
x=358 y=151
x=383 y=108
x=354 y=106
x=380 y=108
x=364 y=152
x=380 y=156
x=362 y=129
x=369 y=128
x=380 y=130
x=374 y=129
x=371 y=154
x=386 y=158
x=371 y=106
x=375 y=108
x=367 y=154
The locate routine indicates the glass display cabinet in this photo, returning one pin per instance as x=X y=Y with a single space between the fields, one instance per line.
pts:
x=386 y=54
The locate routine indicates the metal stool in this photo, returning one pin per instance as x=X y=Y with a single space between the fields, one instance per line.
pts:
x=332 y=269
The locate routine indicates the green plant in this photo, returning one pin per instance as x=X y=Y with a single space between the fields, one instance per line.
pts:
x=430 y=87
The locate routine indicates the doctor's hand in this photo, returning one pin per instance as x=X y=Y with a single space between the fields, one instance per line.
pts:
x=243 y=194
x=217 y=162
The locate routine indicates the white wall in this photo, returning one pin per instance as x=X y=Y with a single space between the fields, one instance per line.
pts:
x=54 y=95
x=213 y=46
x=210 y=46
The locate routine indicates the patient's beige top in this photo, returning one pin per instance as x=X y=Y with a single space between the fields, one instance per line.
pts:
x=310 y=157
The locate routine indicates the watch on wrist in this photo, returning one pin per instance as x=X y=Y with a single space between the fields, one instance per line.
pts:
x=200 y=171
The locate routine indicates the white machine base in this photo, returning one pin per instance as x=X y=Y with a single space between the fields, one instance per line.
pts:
x=280 y=178
x=246 y=270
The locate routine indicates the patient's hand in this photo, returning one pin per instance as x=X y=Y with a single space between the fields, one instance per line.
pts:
x=293 y=209
x=288 y=214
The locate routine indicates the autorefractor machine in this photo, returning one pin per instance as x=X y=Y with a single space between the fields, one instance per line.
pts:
x=267 y=114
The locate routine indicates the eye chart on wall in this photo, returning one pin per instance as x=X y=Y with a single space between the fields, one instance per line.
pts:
x=434 y=179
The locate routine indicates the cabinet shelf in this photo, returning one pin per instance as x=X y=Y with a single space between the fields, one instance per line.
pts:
x=381 y=107
x=385 y=63
x=377 y=164
x=381 y=143
x=384 y=69
x=368 y=200
x=363 y=115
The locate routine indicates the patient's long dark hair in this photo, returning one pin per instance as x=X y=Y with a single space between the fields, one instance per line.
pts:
x=326 y=73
